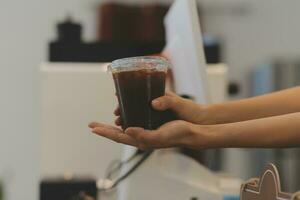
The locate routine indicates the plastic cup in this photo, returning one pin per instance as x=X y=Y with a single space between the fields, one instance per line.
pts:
x=139 y=80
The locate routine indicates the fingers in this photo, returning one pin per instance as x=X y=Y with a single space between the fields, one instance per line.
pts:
x=169 y=93
x=166 y=102
x=117 y=111
x=144 y=138
x=118 y=121
x=97 y=124
x=134 y=136
x=114 y=134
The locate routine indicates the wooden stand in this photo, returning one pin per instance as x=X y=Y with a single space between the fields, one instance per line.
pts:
x=267 y=187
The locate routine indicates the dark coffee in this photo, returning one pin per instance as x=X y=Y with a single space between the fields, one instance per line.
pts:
x=135 y=90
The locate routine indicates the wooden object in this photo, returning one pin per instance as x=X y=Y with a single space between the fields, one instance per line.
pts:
x=267 y=187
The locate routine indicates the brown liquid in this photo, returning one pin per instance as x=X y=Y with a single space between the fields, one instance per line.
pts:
x=135 y=91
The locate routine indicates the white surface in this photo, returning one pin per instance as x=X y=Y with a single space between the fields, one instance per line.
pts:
x=185 y=50
x=73 y=95
x=170 y=175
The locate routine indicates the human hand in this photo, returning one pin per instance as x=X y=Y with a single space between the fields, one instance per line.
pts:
x=171 y=134
x=184 y=109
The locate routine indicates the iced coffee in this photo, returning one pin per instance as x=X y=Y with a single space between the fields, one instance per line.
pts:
x=138 y=81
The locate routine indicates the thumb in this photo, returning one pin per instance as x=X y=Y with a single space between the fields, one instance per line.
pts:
x=166 y=102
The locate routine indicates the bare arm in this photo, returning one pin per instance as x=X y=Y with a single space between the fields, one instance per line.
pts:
x=278 y=131
x=277 y=103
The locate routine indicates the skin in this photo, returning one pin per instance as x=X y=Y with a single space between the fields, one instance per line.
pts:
x=271 y=120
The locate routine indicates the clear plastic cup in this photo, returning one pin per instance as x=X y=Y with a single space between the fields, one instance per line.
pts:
x=139 y=80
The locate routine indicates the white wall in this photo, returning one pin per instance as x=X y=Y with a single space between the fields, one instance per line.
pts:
x=266 y=29
x=25 y=29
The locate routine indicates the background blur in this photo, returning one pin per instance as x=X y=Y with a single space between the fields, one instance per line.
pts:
x=251 y=34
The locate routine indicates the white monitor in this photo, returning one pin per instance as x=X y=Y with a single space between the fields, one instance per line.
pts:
x=185 y=50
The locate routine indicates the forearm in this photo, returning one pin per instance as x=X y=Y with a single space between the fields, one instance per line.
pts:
x=278 y=131
x=278 y=103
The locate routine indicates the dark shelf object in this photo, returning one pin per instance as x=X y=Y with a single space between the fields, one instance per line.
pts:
x=233 y=88
x=67 y=190
x=212 y=49
x=69 y=47
x=69 y=31
x=212 y=53
x=100 y=51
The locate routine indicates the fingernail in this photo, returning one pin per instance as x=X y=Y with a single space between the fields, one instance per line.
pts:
x=127 y=130
x=156 y=103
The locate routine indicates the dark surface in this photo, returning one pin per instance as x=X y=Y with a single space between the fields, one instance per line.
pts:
x=61 y=51
x=67 y=190
x=213 y=53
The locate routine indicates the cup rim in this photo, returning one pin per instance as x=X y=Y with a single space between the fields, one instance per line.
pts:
x=133 y=63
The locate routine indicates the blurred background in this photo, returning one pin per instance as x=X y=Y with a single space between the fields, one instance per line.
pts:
x=257 y=40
